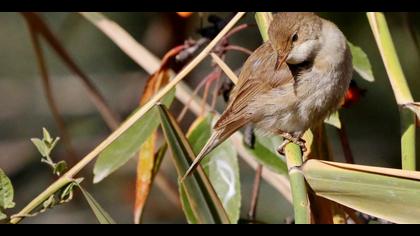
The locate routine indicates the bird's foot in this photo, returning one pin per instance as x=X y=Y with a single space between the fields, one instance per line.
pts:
x=288 y=138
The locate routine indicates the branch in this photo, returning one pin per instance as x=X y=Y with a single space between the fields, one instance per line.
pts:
x=39 y=26
x=126 y=125
x=46 y=83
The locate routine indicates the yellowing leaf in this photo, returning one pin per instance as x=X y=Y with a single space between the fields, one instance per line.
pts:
x=144 y=175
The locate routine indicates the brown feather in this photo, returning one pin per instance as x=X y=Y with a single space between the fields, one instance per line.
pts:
x=252 y=85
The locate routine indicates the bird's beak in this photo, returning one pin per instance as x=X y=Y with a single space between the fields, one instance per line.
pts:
x=281 y=58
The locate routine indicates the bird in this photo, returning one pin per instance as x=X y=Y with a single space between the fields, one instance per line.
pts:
x=289 y=84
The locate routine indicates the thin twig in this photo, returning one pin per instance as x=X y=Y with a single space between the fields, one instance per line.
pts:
x=408 y=21
x=230 y=74
x=215 y=90
x=127 y=124
x=110 y=117
x=46 y=83
x=238 y=48
x=195 y=92
x=205 y=95
x=342 y=133
x=167 y=187
x=237 y=29
x=255 y=193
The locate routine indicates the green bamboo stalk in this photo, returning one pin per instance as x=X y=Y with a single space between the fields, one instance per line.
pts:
x=297 y=184
x=263 y=20
x=400 y=87
x=292 y=151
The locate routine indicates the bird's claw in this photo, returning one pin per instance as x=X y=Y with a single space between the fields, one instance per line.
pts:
x=290 y=139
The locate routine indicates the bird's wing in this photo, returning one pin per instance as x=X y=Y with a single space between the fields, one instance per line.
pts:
x=258 y=76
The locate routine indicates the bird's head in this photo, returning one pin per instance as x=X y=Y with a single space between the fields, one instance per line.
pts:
x=295 y=37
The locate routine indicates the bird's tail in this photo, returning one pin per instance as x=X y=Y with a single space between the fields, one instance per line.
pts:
x=211 y=144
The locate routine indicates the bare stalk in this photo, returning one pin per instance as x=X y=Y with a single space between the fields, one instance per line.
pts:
x=255 y=193
x=110 y=117
x=400 y=87
x=46 y=83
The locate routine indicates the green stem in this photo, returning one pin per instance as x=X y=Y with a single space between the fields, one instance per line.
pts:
x=297 y=184
x=399 y=85
x=408 y=139
x=293 y=152
x=53 y=188
x=263 y=20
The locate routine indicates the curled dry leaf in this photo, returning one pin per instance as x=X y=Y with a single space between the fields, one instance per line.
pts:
x=146 y=155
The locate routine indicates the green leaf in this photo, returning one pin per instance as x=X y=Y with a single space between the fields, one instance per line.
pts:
x=204 y=202
x=60 y=168
x=124 y=148
x=265 y=151
x=186 y=206
x=47 y=137
x=334 y=120
x=49 y=203
x=6 y=194
x=102 y=216
x=52 y=145
x=361 y=63
x=221 y=166
x=389 y=194
x=67 y=193
x=40 y=145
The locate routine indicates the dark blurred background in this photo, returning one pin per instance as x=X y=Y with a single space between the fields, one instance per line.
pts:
x=372 y=123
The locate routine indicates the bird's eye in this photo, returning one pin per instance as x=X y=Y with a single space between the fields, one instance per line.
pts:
x=295 y=37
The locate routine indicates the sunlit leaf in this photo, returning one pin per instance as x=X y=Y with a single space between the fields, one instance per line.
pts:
x=390 y=194
x=361 y=63
x=102 y=216
x=144 y=175
x=124 y=148
x=6 y=194
x=334 y=120
x=221 y=166
x=204 y=202
x=47 y=136
x=40 y=145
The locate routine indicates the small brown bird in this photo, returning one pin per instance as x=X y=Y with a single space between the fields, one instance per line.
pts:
x=290 y=83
